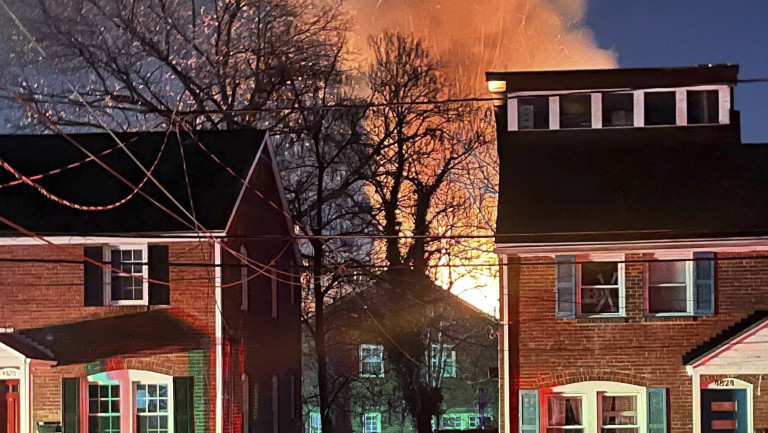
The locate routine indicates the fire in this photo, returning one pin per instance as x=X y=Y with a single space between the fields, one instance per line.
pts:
x=472 y=37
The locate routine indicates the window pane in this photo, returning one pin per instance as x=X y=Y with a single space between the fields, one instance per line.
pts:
x=666 y=272
x=533 y=113
x=564 y=411
x=599 y=273
x=575 y=111
x=703 y=107
x=103 y=408
x=599 y=300
x=619 y=410
x=618 y=109
x=660 y=108
x=667 y=299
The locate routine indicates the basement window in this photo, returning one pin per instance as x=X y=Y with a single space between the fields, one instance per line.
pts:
x=575 y=111
x=703 y=107
x=533 y=113
x=618 y=110
x=660 y=108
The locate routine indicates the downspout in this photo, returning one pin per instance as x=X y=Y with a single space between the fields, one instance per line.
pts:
x=219 y=339
x=504 y=318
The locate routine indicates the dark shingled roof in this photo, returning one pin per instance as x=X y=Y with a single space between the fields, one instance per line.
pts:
x=214 y=191
x=145 y=333
x=25 y=346
x=725 y=336
x=648 y=184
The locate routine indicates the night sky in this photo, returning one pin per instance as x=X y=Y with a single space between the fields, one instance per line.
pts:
x=649 y=33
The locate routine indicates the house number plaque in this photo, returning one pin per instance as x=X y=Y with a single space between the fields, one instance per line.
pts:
x=727 y=383
x=9 y=373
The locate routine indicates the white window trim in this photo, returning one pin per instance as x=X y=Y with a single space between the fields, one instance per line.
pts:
x=381 y=363
x=681 y=107
x=377 y=417
x=602 y=257
x=689 y=283
x=590 y=393
x=127 y=380
x=107 y=274
x=438 y=349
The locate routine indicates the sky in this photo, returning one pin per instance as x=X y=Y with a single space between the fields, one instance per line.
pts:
x=650 y=33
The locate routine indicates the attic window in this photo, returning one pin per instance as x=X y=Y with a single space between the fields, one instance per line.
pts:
x=618 y=110
x=660 y=108
x=575 y=111
x=533 y=113
x=703 y=107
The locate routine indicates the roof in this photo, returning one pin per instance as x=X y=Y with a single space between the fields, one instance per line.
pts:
x=25 y=346
x=636 y=78
x=145 y=333
x=639 y=185
x=727 y=335
x=214 y=191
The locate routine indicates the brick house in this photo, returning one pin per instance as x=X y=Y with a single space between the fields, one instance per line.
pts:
x=126 y=318
x=632 y=226
x=462 y=350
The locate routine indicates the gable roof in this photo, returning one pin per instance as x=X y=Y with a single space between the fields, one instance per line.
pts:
x=725 y=337
x=25 y=347
x=214 y=190
x=646 y=184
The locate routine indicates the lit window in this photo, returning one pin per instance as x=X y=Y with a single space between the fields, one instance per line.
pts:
x=703 y=107
x=152 y=408
x=103 y=408
x=619 y=414
x=600 y=291
x=564 y=413
x=575 y=111
x=128 y=279
x=660 y=108
x=533 y=113
x=442 y=360
x=371 y=360
x=450 y=421
x=315 y=423
x=618 y=110
x=372 y=423
x=669 y=287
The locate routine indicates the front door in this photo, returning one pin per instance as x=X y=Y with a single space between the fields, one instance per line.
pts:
x=724 y=411
x=9 y=406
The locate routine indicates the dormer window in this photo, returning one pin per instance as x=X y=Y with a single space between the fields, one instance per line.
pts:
x=703 y=107
x=575 y=111
x=618 y=110
x=660 y=108
x=533 y=113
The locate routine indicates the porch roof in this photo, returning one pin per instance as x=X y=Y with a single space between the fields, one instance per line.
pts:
x=740 y=348
x=25 y=347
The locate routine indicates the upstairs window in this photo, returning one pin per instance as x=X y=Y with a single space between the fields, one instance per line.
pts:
x=660 y=108
x=669 y=288
x=618 y=110
x=442 y=360
x=575 y=111
x=371 y=360
x=533 y=113
x=703 y=107
x=599 y=288
x=127 y=279
x=372 y=422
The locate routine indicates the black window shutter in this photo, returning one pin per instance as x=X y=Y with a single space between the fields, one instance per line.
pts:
x=93 y=277
x=183 y=416
x=704 y=283
x=70 y=405
x=565 y=290
x=159 y=294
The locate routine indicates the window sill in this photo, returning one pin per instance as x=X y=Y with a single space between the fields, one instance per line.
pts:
x=598 y=320
x=669 y=318
x=127 y=304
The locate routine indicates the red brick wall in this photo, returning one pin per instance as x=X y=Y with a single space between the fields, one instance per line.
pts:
x=636 y=350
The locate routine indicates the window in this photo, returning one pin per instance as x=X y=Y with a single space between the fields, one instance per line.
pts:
x=442 y=359
x=533 y=113
x=618 y=110
x=669 y=288
x=660 y=108
x=575 y=111
x=315 y=423
x=244 y=277
x=450 y=421
x=152 y=408
x=275 y=293
x=473 y=421
x=103 y=408
x=564 y=414
x=128 y=278
x=619 y=414
x=599 y=288
x=372 y=422
x=703 y=107
x=371 y=360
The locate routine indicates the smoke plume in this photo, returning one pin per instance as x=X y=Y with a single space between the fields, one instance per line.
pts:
x=474 y=36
